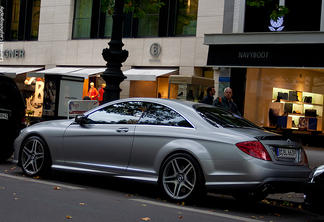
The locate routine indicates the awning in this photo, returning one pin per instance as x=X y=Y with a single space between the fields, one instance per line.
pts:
x=13 y=71
x=69 y=71
x=146 y=74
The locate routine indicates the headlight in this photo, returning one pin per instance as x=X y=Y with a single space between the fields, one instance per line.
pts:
x=316 y=172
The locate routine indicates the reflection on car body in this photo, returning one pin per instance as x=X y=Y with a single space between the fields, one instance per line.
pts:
x=184 y=147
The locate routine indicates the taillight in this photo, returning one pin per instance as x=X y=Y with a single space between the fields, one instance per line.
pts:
x=255 y=149
x=305 y=160
x=23 y=120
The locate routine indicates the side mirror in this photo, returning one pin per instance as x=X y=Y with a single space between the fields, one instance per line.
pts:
x=81 y=119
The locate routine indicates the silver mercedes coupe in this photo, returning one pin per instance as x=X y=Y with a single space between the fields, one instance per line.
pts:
x=185 y=148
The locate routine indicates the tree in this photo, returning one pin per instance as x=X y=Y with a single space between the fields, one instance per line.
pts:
x=138 y=8
x=276 y=13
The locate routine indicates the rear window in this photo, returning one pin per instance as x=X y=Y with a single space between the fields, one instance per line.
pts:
x=10 y=95
x=222 y=118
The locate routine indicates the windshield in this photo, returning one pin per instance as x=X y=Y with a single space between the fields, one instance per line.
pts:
x=222 y=118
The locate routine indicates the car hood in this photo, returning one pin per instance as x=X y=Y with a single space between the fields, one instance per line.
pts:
x=53 y=123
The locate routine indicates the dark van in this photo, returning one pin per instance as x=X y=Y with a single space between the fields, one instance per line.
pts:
x=12 y=115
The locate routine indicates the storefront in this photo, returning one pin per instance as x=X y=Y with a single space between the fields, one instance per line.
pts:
x=284 y=76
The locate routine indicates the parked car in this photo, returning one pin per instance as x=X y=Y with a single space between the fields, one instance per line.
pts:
x=314 y=191
x=12 y=115
x=186 y=148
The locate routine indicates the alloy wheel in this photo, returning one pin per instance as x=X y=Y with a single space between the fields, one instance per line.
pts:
x=179 y=178
x=32 y=157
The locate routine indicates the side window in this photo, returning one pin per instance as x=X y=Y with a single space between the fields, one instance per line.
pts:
x=161 y=115
x=120 y=113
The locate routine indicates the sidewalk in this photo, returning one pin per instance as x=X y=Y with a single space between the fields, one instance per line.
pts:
x=288 y=197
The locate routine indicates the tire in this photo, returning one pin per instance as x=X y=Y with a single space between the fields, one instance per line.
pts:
x=7 y=152
x=35 y=157
x=181 y=178
x=251 y=197
x=7 y=148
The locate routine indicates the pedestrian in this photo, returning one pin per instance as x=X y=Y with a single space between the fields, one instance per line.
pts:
x=209 y=98
x=101 y=93
x=93 y=92
x=226 y=102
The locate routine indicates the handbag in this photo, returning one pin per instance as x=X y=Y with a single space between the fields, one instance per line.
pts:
x=308 y=99
x=282 y=95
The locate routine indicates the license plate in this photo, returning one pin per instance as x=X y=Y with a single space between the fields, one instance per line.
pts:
x=289 y=153
x=4 y=116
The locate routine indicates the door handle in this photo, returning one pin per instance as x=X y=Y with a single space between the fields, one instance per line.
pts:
x=125 y=130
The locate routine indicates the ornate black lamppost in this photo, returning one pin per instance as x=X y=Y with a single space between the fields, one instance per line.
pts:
x=114 y=56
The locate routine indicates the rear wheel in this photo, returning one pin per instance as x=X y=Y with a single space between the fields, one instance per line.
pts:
x=34 y=157
x=181 y=177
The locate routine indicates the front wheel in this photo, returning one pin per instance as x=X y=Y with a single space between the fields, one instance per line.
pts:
x=34 y=157
x=181 y=177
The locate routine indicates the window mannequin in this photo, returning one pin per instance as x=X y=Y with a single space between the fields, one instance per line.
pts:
x=93 y=93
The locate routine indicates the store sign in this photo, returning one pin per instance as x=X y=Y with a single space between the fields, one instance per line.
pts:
x=266 y=55
x=15 y=53
x=155 y=51
x=254 y=55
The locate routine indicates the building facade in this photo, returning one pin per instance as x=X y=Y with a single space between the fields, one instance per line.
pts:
x=220 y=40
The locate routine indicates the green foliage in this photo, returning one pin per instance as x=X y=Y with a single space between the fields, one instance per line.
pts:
x=276 y=13
x=139 y=10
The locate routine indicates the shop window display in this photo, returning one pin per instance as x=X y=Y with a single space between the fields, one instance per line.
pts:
x=290 y=94
x=34 y=96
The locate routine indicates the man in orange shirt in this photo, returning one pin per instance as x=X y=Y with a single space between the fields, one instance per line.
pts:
x=93 y=93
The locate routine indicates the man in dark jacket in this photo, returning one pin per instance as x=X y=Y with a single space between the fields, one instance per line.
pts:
x=209 y=98
x=226 y=101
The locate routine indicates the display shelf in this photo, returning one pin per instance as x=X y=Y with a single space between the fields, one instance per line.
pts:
x=294 y=105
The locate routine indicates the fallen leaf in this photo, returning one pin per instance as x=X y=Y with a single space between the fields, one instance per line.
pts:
x=226 y=210
x=38 y=177
x=146 y=218
x=179 y=213
x=129 y=195
x=82 y=204
x=253 y=217
x=2 y=188
x=16 y=198
x=6 y=170
x=180 y=217
x=183 y=203
x=289 y=196
x=143 y=205
x=56 y=188
x=276 y=214
x=210 y=211
x=261 y=216
x=14 y=193
x=68 y=217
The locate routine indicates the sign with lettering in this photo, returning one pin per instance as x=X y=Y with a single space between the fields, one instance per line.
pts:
x=15 y=53
x=266 y=55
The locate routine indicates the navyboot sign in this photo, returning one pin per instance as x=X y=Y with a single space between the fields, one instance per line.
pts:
x=15 y=53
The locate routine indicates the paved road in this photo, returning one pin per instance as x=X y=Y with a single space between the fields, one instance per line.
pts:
x=89 y=198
